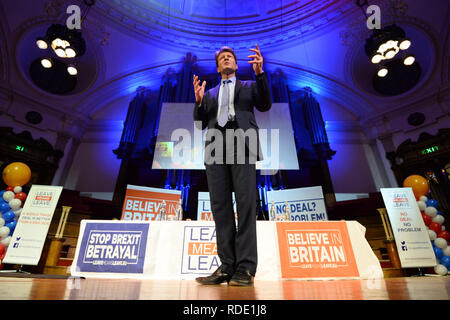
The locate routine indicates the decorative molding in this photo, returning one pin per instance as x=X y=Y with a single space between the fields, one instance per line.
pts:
x=329 y=87
x=445 y=73
x=440 y=94
x=345 y=132
x=105 y=125
x=151 y=77
x=4 y=65
x=56 y=9
x=343 y=126
x=70 y=123
x=6 y=98
x=357 y=31
x=168 y=26
x=123 y=84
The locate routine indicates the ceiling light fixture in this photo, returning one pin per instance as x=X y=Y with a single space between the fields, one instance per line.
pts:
x=41 y=44
x=70 y=52
x=405 y=44
x=386 y=43
x=409 y=60
x=46 y=63
x=72 y=70
x=65 y=43
x=382 y=72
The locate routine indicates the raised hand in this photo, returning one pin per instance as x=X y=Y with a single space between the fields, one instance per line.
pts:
x=199 y=90
x=257 y=61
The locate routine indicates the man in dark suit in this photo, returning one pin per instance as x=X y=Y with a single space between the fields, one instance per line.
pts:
x=231 y=150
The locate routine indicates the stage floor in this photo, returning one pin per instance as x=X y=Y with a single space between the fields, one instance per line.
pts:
x=408 y=288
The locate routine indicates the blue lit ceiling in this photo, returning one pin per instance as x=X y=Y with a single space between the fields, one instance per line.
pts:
x=203 y=24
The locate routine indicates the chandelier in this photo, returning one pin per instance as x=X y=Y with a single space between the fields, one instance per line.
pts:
x=385 y=44
x=65 y=43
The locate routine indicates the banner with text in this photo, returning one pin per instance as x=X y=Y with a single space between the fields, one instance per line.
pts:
x=32 y=227
x=184 y=250
x=199 y=255
x=316 y=250
x=111 y=247
x=204 y=212
x=144 y=203
x=305 y=204
x=410 y=233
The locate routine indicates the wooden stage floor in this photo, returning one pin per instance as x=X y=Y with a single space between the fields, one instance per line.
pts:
x=407 y=288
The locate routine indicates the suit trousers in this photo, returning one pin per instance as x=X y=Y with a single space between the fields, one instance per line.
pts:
x=236 y=245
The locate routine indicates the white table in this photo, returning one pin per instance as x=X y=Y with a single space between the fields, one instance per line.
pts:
x=168 y=242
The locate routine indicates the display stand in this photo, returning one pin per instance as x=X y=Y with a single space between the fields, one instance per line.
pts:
x=396 y=270
x=54 y=252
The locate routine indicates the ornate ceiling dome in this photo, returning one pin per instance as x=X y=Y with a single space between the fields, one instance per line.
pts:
x=203 y=24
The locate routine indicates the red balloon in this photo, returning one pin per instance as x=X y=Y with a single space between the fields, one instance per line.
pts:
x=436 y=227
x=21 y=196
x=427 y=219
x=2 y=248
x=10 y=189
x=444 y=234
x=2 y=255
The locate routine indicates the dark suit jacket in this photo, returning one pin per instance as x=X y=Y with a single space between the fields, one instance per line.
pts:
x=247 y=95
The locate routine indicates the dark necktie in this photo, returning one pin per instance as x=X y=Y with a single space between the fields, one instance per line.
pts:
x=225 y=105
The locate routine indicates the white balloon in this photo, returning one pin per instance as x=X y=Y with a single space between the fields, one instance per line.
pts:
x=15 y=204
x=423 y=198
x=439 y=219
x=431 y=211
x=441 y=270
x=422 y=205
x=8 y=196
x=446 y=251
x=17 y=189
x=440 y=243
x=2 y=222
x=4 y=232
x=432 y=235
x=6 y=241
x=17 y=213
x=442 y=228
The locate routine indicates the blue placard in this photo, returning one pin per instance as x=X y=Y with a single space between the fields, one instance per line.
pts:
x=113 y=247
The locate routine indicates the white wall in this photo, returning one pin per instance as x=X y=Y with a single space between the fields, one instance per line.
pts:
x=350 y=167
x=95 y=167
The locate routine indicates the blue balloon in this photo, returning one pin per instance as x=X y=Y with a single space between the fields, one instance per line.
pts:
x=11 y=225
x=1 y=194
x=4 y=206
x=445 y=260
x=8 y=216
x=438 y=212
x=432 y=203
x=438 y=252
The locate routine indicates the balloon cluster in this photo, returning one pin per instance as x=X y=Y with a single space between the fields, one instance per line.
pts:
x=15 y=175
x=439 y=237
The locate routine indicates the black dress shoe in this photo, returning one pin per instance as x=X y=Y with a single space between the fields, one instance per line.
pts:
x=216 y=278
x=241 y=278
